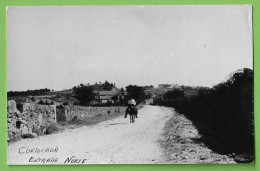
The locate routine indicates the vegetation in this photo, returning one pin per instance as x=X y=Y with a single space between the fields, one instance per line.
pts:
x=29 y=92
x=41 y=102
x=94 y=119
x=46 y=102
x=224 y=114
x=65 y=103
x=115 y=98
x=135 y=92
x=84 y=93
x=174 y=94
x=52 y=128
x=106 y=86
x=33 y=99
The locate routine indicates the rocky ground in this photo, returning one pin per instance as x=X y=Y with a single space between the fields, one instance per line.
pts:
x=182 y=144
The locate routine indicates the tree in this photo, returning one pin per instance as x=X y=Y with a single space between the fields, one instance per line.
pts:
x=41 y=102
x=135 y=92
x=114 y=98
x=107 y=86
x=29 y=92
x=84 y=93
x=174 y=94
x=33 y=99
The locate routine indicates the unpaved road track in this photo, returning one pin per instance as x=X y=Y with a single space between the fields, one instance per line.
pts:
x=159 y=135
x=114 y=141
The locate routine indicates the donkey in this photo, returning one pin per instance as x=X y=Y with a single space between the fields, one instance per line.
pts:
x=132 y=111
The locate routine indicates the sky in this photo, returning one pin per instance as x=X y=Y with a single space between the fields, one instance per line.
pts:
x=61 y=47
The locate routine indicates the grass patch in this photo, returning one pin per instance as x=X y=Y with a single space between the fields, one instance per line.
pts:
x=93 y=120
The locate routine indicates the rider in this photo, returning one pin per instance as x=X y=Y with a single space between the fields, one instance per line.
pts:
x=131 y=104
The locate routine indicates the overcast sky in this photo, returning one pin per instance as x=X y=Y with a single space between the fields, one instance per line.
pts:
x=60 y=47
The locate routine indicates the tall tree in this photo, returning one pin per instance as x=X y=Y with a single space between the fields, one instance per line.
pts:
x=84 y=93
x=107 y=86
x=135 y=92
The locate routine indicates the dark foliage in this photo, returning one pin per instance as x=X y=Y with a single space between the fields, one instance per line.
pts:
x=174 y=94
x=114 y=98
x=29 y=92
x=45 y=103
x=19 y=107
x=84 y=93
x=41 y=102
x=107 y=86
x=65 y=103
x=224 y=114
x=135 y=92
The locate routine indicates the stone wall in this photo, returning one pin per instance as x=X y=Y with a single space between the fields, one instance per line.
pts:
x=67 y=113
x=31 y=119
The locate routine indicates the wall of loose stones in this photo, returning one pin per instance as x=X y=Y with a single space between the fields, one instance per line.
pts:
x=67 y=113
x=31 y=119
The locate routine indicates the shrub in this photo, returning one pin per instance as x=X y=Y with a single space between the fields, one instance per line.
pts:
x=41 y=102
x=174 y=94
x=224 y=112
x=52 y=128
x=65 y=103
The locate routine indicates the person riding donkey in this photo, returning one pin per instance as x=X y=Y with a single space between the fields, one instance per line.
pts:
x=131 y=107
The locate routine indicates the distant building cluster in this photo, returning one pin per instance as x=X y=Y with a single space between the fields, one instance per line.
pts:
x=105 y=93
x=164 y=88
x=112 y=96
x=102 y=97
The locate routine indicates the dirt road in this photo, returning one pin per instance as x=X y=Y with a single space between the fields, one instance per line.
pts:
x=114 y=141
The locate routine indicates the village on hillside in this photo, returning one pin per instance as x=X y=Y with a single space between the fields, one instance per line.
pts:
x=104 y=94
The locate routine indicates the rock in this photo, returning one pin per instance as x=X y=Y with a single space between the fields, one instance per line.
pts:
x=11 y=107
x=185 y=157
x=22 y=121
x=203 y=157
x=31 y=135
x=34 y=134
x=243 y=158
x=25 y=130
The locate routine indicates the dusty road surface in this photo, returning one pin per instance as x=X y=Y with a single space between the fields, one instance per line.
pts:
x=159 y=135
x=113 y=141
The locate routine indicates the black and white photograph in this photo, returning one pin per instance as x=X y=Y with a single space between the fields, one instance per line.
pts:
x=130 y=85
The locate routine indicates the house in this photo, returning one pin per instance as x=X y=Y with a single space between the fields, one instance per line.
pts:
x=191 y=92
x=106 y=96
x=163 y=88
x=149 y=92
